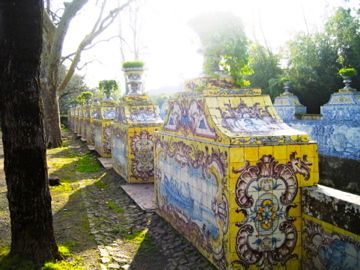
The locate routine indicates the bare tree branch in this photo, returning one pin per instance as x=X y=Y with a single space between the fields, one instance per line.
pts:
x=102 y=40
x=87 y=63
x=55 y=54
x=101 y=25
x=68 y=57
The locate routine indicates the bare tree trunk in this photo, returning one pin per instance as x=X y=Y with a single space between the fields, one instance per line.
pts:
x=52 y=118
x=54 y=36
x=28 y=194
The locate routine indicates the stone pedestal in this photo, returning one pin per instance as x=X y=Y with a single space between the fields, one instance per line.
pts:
x=228 y=174
x=288 y=106
x=132 y=138
x=105 y=113
x=342 y=106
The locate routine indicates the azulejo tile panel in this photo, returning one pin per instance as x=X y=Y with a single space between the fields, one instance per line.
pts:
x=197 y=205
x=136 y=121
x=325 y=248
x=228 y=173
x=337 y=132
x=265 y=193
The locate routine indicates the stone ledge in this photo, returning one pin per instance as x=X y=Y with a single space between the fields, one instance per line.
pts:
x=336 y=207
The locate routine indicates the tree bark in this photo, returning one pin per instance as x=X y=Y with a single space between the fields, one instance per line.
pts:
x=52 y=118
x=32 y=234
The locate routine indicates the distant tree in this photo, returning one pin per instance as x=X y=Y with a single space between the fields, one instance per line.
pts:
x=159 y=99
x=74 y=88
x=313 y=69
x=32 y=234
x=343 y=29
x=224 y=45
x=266 y=67
x=83 y=98
x=314 y=59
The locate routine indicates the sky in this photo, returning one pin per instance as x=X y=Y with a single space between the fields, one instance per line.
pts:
x=170 y=47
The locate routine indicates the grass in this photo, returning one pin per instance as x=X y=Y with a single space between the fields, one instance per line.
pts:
x=72 y=262
x=15 y=262
x=66 y=187
x=64 y=251
x=142 y=239
x=101 y=185
x=88 y=164
x=113 y=206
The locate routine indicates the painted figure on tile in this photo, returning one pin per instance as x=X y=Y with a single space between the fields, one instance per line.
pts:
x=265 y=193
x=190 y=185
x=249 y=119
x=328 y=250
x=142 y=146
x=107 y=139
x=189 y=117
x=143 y=114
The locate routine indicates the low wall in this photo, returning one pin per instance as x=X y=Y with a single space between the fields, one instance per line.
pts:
x=331 y=229
x=335 y=138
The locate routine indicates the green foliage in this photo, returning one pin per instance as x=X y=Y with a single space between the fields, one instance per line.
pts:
x=314 y=60
x=344 y=30
x=64 y=251
x=312 y=69
x=73 y=89
x=88 y=164
x=133 y=64
x=84 y=97
x=108 y=87
x=224 y=45
x=266 y=69
x=349 y=72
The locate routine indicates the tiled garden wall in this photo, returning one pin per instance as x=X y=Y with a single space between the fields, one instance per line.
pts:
x=331 y=229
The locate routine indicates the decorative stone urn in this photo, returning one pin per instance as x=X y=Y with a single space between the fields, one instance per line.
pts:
x=134 y=78
x=344 y=105
x=133 y=129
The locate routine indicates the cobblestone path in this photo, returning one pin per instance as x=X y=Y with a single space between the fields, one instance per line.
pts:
x=115 y=221
x=168 y=251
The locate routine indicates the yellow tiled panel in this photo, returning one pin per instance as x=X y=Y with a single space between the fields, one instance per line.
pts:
x=232 y=182
x=293 y=148
x=295 y=212
x=293 y=264
x=280 y=152
x=236 y=216
x=266 y=150
x=298 y=225
x=308 y=149
x=237 y=154
x=251 y=153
